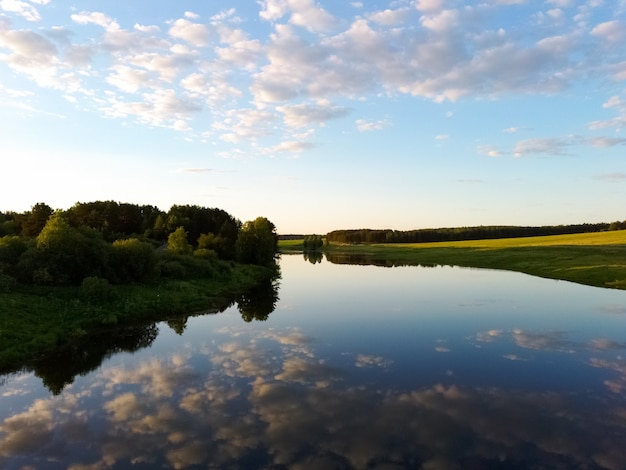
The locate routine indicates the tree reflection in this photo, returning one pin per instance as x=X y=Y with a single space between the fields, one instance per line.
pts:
x=313 y=257
x=369 y=260
x=258 y=302
x=59 y=369
x=178 y=324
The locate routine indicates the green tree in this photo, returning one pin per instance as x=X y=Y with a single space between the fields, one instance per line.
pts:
x=35 y=220
x=131 y=260
x=66 y=254
x=177 y=242
x=257 y=242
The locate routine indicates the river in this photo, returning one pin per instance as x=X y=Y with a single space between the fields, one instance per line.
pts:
x=342 y=366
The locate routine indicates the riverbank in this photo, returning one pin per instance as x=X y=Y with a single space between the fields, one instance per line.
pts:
x=595 y=259
x=36 y=320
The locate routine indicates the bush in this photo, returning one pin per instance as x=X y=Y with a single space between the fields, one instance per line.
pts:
x=95 y=289
x=7 y=283
x=132 y=260
x=11 y=248
x=204 y=253
x=171 y=269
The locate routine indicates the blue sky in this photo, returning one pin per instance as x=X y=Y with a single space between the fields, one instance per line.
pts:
x=319 y=115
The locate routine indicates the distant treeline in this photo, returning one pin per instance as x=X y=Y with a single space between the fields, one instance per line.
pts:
x=462 y=233
x=122 y=242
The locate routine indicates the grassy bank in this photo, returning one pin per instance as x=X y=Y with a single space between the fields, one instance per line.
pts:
x=595 y=259
x=37 y=320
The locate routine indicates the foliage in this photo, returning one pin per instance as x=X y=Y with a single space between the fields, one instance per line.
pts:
x=95 y=289
x=131 y=260
x=177 y=242
x=455 y=234
x=7 y=283
x=198 y=221
x=35 y=220
x=312 y=242
x=257 y=242
x=68 y=254
x=11 y=248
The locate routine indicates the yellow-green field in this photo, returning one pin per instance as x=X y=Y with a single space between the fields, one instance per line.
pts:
x=616 y=237
x=596 y=259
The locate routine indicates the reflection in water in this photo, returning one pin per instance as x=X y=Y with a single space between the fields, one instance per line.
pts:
x=369 y=260
x=269 y=400
x=415 y=385
x=258 y=302
x=59 y=369
x=313 y=257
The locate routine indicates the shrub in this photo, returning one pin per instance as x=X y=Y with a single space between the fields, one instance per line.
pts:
x=132 y=260
x=205 y=253
x=171 y=269
x=95 y=289
x=7 y=283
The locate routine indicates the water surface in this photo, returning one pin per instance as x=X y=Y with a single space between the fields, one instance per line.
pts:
x=357 y=367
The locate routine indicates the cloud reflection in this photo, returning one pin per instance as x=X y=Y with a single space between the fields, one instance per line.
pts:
x=272 y=401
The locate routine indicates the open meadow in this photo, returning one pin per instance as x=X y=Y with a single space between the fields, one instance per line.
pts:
x=596 y=259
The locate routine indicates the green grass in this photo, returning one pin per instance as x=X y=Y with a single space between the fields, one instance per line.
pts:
x=595 y=259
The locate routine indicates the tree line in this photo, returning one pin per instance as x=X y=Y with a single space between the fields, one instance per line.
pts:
x=121 y=242
x=462 y=233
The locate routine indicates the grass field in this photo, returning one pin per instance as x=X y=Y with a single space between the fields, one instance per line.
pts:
x=596 y=259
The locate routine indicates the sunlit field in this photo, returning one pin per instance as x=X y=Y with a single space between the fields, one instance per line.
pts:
x=596 y=259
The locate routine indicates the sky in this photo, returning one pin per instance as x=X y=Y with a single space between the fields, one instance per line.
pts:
x=319 y=115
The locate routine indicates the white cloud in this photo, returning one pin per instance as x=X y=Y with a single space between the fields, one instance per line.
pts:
x=95 y=17
x=612 y=102
x=246 y=125
x=367 y=126
x=303 y=115
x=429 y=5
x=560 y=3
x=490 y=151
x=611 y=31
x=194 y=33
x=307 y=14
x=304 y=13
x=128 y=79
x=23 y=9
x=390 y=17
x=289 y=147
x=147 y=28
x=550 y=146
x=158 y=108
x=605 y=142
x=441 y=22
x=272 y=10
x=244 y=54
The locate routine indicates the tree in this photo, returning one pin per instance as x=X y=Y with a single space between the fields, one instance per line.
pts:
x=131 y=260
x=67 y=254
x=177 y=242
x=257 y=242
x=35 y=220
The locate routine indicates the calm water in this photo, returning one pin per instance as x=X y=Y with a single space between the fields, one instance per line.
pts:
x=357 y=367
